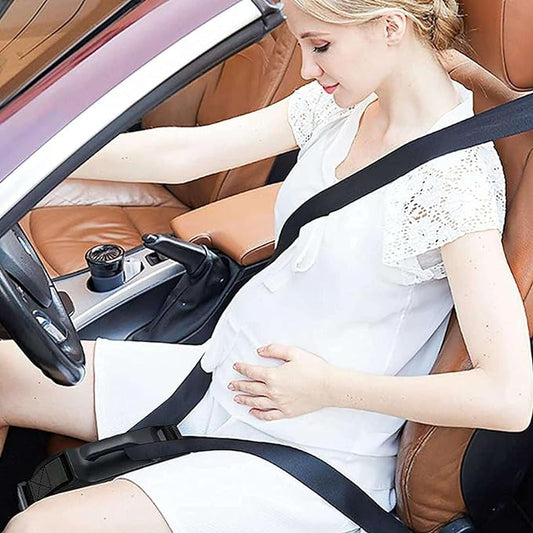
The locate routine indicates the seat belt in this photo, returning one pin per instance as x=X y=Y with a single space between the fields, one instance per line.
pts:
x=505 y=120
x=149 y=441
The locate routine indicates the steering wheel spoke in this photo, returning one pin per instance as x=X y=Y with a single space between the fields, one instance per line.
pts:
x=32 y=311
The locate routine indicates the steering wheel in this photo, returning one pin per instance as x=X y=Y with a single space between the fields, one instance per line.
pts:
x=32 y=312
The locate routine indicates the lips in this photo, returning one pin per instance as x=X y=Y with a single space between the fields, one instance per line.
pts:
x=330 y=88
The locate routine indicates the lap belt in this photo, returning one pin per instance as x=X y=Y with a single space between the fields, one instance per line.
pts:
x=142 y=446
x=153 y=440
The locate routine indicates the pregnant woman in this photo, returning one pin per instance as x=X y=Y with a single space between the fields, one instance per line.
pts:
x=328 y=348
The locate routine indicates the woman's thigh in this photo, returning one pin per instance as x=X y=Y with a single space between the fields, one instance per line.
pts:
x=29 y=399
x=116 y=506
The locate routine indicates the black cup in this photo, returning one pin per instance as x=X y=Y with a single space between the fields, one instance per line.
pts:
x=106 y=263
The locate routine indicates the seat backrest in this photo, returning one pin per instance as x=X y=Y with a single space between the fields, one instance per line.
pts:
x=260 y=75
x=429 y=480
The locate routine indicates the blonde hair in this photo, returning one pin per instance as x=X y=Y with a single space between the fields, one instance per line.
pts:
x=436 y=21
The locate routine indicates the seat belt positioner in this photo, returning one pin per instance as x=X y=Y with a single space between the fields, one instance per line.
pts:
x=91 y=463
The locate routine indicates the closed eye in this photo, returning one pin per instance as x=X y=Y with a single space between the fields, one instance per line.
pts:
x=320 y=49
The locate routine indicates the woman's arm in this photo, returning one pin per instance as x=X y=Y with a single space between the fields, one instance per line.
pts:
x=496 y=394
x=178 y=155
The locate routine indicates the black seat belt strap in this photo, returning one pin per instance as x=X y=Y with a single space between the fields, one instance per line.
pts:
x=181 y=403
x=318 y=476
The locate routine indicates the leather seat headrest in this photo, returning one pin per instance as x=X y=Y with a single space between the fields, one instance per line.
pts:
x=500 y=33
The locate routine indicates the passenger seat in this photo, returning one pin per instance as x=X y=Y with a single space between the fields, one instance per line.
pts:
x=80 y=214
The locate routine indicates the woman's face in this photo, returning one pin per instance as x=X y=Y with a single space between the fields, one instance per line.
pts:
x=350 y=61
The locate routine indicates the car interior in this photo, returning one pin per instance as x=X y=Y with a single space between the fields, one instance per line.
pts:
x=458 y=480
x=80 y=214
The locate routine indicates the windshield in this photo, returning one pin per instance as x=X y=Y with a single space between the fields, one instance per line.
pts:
x=35 y=34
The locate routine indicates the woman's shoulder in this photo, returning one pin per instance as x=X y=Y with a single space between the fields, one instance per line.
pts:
x=440 y=201
x=310 y=108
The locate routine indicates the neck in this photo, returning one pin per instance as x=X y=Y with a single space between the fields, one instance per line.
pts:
x=416 y=93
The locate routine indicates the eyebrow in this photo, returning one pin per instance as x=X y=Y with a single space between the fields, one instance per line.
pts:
x=312 y=34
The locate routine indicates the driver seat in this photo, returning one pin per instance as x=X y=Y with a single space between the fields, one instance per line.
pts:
x=459 y=480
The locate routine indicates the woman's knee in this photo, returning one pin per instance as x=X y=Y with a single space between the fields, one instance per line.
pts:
x=41 y=517
x=29 y=399
x=109 y=507
x=31 y=520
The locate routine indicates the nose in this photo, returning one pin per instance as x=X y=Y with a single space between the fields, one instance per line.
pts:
x=310 y=69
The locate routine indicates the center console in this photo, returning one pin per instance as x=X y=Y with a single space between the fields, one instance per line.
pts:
x=219 y=247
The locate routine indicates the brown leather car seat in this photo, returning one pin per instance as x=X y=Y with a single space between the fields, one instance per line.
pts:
x=445 y=473
x=254 y=78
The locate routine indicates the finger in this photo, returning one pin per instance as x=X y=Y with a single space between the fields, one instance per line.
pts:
x=256 y=388
x=257 y=402
x=268 y=416
x=276 y=351
x=257 y=373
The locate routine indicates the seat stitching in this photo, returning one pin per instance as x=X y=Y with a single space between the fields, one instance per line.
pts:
x=409 y=462
x=125 y=211
x=282 y=74
x=407 y=470
x=126 y=214
x=267 y=100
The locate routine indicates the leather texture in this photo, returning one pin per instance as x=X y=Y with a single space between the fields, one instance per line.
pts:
x=65 y=225
x=62 y=235
x=247 y=236
x=428 y=475
x=500 y=33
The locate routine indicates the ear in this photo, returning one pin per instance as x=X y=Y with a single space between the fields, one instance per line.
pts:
x=395 y=24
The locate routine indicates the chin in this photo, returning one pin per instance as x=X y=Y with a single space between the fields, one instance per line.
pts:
x=343 y=102
x=339 y=100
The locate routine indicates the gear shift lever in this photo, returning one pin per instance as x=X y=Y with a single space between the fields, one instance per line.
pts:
x=191 y=256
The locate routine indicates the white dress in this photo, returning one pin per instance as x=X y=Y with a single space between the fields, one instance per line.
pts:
x=364 y=288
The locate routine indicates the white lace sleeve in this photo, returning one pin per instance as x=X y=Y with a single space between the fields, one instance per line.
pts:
x=310 y=107
x=437 y=203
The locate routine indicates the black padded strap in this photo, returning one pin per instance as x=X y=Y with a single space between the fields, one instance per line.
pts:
x=502 y=121
x=182 y=401
x=317 y=475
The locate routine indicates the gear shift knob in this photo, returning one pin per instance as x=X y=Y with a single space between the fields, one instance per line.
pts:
x=106 y=264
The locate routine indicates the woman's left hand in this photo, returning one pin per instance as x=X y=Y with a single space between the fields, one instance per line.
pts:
x=296 y=387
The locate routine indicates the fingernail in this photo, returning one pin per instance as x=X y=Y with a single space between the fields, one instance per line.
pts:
x=231 y=386
x=237 y=399
x=235 y=366
x=261 y=349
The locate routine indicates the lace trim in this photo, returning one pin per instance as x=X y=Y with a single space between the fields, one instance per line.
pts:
x=310 y=107
x=437 y=203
